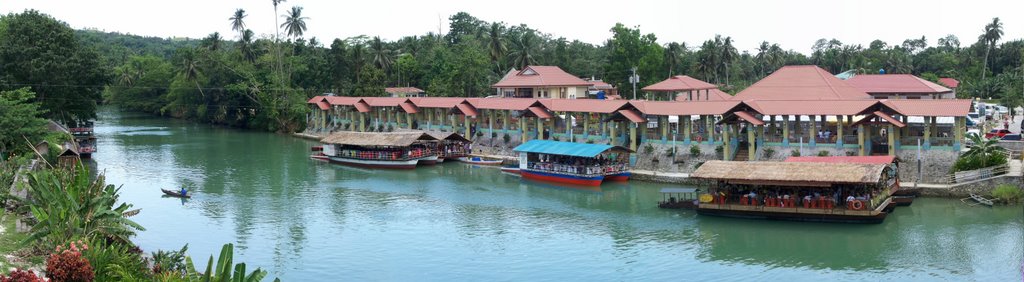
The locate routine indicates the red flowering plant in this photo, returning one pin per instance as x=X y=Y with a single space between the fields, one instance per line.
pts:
x=18 y=275
x=69 y=264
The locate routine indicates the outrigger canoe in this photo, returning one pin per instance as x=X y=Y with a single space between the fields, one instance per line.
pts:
x=479 y=161
x=175 y=194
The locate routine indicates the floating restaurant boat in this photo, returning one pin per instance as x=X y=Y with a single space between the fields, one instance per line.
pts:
x=901 y=196
x=395 y=150
x=798 y=191
x=85 y=137
x=572 y=163
x=451 y=146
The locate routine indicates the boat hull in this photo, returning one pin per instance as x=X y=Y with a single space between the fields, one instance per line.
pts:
x=903 y=201
x=432 y=160
x=512 y=170
x=319 y=157
x=403 y=164
x=832 y=218
x=621 y=177
x=561 y=178
x=469 y=160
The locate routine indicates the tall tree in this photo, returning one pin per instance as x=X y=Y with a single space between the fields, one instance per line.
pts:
x=20 y=118
x=277 y=32
x=245 y=46
x=382 y=57
x=993 y=32
x=496 y=46
x=728 y=56
x=45 y=54
x=238 y=22
x=674 y=56
x=294 y=22
x=525 y=46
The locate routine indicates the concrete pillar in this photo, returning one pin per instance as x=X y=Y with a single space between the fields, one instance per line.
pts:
x=362 y=122
x=860 y=140
x=686 y=123
x=726 y=148
x=839 y=131
x=540 y=129
x=710 y=125
x=522 y=129
x=632 y=136
x=490 y=123
x=785 y=130
x=504 y=120
x=959 y=127
x=586 y=126
x=465 y=121
x=614 y=133
x=892 y=132
x=928 y=121
x=812 y=130
x=751 y=141
x=663 y=126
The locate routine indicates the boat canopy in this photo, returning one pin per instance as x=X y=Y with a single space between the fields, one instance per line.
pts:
x=447 y=136
x=678 y=190
x=396 y=139
x=790 y=173
x=566 y=148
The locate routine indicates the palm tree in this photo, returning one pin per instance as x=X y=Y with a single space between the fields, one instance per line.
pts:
x=522 y=56
x=237 y=23
x=277 y=32
x=381 y=55
x=993 y=32
x=190 y=68
x=496 y=45
x=295 y=23
x=212 y=41
x=245 y=46
x=762 y=57
x=983 y=148
x=673 y=56
x=728 y=55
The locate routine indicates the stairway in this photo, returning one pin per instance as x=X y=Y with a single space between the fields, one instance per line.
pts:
x=741 y=154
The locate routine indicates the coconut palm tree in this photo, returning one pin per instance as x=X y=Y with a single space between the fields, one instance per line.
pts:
x=237 y=22
x=277 y=32
x=382 y=57
x=522 y=55
x=673 y=56
x=212 y=42
x=993 y=32
x=496 y=45
x=189 y=68
x=245 y=46
x=294 y=22
x=728 y=56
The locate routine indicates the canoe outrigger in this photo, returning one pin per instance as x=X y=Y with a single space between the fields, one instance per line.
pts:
x=798 y=191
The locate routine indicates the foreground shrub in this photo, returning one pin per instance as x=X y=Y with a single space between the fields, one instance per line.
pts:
x=18 y=275
x=115 y=262
x=1008 y=193
x=972 y=162
x=694 y=151
x=69 y=264
x=224 y=268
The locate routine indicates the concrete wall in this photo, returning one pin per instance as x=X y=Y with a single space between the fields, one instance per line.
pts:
x=683 y=161
x=935 y=165
x=983 y=187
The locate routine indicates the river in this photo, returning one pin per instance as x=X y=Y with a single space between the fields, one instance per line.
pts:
x=304 y=220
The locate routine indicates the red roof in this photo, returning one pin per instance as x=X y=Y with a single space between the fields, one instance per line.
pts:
x=712 y=95
x=748 y=117
x=679 y=83
x=597 y=84
x=437 y=102
x=895 y=83
x=343 y=101
x=315 y=99
x=632 y=115
x=582 y=105
x=687 y=108
x=931 y=108
x=540 y=112
x=409 y=107
x=362 y=107
x=801 y=83
x=540 y=76
x=949 y=82
x=385 y=101
x=843 y=159
x=467 y=110
x=398 y=90
x=514 y=104
x=323 y=105
x=812 y=107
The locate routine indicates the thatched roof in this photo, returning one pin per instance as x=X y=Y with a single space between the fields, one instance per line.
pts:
x=398 y=139
x=447 y=136
x=790 y=173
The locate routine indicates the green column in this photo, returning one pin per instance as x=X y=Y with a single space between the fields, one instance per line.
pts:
x=811 y=130
x=663 y=126
x=785 y=130
x=362 y=122
x=709 y=128
x=839 y=131
x=686 y=122
x=632 y=136
x=726 y=149
x=860 y=139
x=586 y=125
x=522 y=129
x=504 y=120
x=465 y=122
x=614 y=128
x=751 y=141
x=892 y=139
x=928 y=121
x=959 y=125
x=490 y=123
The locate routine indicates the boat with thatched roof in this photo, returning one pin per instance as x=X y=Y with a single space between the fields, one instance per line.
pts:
x=450 y=145
x=397 y=150
x=799 y=191
x=572 y=163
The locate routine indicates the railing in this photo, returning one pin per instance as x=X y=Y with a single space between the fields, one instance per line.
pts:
x=581 y=170
x=974 y=175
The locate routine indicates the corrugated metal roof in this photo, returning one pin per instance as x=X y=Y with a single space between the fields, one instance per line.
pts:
x=437 y=102
x=565 y=148
x=949 y=82
x=749 y=118
x=583 y=105
x=889 y=118
x=408 y=107
x=679 y=83
x=403 y=90
x=314 y=99
x=632 y=115
x=343 y=101
x=895 y=83
x=540 y=76
x=323 y=105
x=540 y=112
x=813 y=107
x=843 y=159
x=385 y=101
x=362 y=107
x=515 y=104
x=666 y=108
x=931 y=108
x=802 y=83
x=467 y=109
x=712 y=95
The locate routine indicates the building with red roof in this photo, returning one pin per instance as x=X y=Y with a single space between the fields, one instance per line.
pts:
x=805 y=83
x=899 y=86
x=949 y=82
x=542 y=82
x=405 y=92
x=686 y=88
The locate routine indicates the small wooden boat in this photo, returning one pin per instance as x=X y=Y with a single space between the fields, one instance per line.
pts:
x=510 y=169
x=480 y=161
x=175 y=194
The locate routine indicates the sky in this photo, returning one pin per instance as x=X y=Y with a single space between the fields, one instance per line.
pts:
x=795 y=25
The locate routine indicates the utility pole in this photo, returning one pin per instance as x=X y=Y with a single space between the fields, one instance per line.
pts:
x=634 y=79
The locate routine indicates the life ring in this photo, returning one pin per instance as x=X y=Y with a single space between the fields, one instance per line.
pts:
x=857 y=205
x=706 y=198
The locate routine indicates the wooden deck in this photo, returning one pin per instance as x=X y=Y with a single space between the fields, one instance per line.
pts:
x=797 y=209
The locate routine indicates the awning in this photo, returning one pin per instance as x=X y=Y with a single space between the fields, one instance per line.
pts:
x=632 y=115
x=540 y=112
x=410 y=108
x=889 y=118
x=565 y=148
x=323 y=105
x=362 y=107
x=467 y=110
x=749 y=118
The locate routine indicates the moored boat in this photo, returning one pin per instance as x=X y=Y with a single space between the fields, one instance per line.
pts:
x=572 y=163
x=479 y=161
x=510 y=169
x=450 y=145
x=85 y=138
x=798 y=191
x=392 y=150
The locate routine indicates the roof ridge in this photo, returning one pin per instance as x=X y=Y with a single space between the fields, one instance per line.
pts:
x=818 y=70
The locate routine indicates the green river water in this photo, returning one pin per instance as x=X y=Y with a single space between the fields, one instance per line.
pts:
x=308 y=221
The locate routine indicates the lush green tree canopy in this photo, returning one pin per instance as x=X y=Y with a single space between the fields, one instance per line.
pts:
x=20 y=119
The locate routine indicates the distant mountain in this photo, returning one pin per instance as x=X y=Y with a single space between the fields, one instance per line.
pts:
x=116 y=48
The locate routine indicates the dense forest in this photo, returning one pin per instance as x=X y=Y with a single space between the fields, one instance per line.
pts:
x=241 y=80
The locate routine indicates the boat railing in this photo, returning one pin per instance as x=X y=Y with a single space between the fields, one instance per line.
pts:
x=804 y=203
x=385 y=155
x=580 y=170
